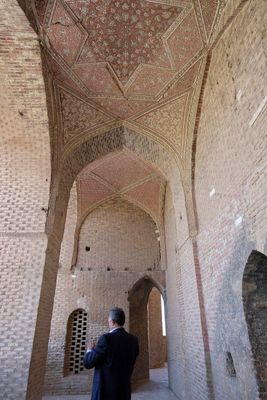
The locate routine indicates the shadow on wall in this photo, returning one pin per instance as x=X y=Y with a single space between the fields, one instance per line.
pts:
x=234 y=335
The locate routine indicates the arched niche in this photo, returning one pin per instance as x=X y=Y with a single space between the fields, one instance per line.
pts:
x=75 y=159
x=72 y=162
x=255 y=308
x=138 y=315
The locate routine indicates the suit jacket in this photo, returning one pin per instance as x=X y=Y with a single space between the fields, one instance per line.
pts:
x=113 y=358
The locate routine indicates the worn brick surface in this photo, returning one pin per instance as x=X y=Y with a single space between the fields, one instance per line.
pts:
x=231 y=158
x=123 y=246
x=24 y=180
x=202 y=260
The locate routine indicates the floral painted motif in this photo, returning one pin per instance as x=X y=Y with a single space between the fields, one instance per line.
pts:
x=78 y=116
x=167 y=121
x=126 y=33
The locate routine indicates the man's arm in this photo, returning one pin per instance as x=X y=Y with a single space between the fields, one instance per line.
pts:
x=96 y=356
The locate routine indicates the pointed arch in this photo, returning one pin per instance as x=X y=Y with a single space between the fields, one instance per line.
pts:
x=138 y=312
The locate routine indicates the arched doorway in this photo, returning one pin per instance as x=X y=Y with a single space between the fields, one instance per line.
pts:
x=140 y=313
x=157 y=345
x=255 y=308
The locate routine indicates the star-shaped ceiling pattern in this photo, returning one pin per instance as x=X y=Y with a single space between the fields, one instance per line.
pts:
x=125 y=33
x=130 y=60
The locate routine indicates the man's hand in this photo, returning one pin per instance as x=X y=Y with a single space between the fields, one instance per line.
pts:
x=91 y=345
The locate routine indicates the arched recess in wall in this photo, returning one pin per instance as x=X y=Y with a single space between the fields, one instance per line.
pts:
x=92 y=149
x=75 y=159
x=75 y=344
x=152 y=203
x=138 y=315
x=255 y=308
x=119 y=236
x=72 y=162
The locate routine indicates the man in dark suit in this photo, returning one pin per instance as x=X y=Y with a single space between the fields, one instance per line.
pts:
x=113 y=358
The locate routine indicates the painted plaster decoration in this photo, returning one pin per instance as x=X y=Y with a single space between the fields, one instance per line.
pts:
x=185 y=42
x=121 y=107
x=41 y=7
x=97 y=79
x=209 y=8
x=150 y=80
x=127 y=60
x=126 y=33
x=167 y=121
x=78 y=116
x=65 y=35
x=185 y=82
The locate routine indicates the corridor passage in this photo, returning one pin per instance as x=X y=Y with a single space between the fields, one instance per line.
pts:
x=155 y=389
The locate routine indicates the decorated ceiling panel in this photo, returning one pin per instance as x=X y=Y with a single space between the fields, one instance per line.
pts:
x=167 y=121
x=137 y=63
x=125 y=33
x=77 y=115
x=126 y=60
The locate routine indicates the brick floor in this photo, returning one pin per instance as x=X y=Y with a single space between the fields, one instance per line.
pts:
x=156 y=388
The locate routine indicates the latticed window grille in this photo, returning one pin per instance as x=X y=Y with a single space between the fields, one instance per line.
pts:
x=75 y=342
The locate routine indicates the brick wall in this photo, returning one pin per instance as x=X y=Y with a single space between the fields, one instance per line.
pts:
x=118 y=234
x=25 y=180
x=186 y=358
x=230 y=159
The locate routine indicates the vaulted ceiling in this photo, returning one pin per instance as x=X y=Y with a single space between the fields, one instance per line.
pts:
x=126 y=61
x=137 y=63
x=124 y=175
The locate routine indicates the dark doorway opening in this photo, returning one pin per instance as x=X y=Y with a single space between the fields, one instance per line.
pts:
x=255 y=308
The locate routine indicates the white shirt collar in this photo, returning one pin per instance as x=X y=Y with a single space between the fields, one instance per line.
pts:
x=114 y=329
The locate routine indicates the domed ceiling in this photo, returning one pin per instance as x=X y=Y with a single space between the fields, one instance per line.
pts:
x=132 y=62
x=136 y=63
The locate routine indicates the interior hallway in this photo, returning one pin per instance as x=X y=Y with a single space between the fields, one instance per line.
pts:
x=156 y=388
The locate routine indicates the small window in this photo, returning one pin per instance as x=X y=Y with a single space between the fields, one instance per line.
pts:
x=75 y=342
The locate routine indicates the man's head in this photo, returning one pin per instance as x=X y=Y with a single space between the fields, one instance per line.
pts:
x=116 y=317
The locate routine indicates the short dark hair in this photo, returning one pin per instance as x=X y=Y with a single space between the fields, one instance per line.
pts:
x=117 y=315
